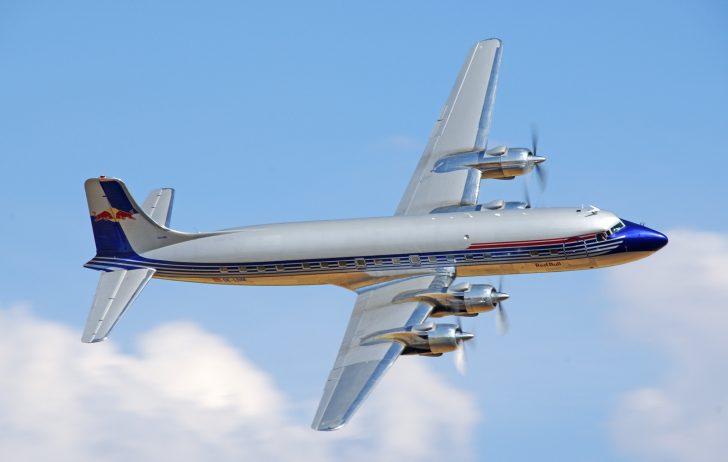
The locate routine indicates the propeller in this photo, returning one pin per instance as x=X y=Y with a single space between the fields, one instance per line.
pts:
x=460 y=356
x=501 y=319
x=460 y=360
x=540 y=171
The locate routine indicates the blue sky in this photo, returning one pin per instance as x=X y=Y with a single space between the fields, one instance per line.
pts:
x=288 y=111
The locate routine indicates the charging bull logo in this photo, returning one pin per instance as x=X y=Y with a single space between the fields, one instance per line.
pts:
x=114 y=215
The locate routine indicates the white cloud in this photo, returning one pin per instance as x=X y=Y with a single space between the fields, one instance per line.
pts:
x=186 y=394
x=676 y=301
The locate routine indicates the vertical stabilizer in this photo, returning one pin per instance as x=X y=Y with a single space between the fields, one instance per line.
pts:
x=121 y=227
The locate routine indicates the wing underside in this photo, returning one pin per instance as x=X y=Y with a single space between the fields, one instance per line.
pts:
x=359 y=367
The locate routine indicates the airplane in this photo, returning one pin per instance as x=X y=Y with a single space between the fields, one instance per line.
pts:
x=403 y=268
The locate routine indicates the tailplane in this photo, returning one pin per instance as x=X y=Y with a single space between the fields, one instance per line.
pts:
x=123 y=230
x=115 y=292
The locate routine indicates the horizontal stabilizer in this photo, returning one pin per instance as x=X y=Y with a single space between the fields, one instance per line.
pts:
x=115 y=292
x=158 y=205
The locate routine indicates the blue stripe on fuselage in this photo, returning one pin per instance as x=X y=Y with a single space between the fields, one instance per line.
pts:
x=536 y=253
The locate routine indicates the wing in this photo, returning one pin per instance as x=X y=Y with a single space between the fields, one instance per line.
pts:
x=115 y=292
x=463 y=126
x=358 y=368
x=158 y=205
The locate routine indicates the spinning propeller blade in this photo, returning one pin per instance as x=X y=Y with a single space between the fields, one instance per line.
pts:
x=540 y=171
x=460 y=356
x=501 y=319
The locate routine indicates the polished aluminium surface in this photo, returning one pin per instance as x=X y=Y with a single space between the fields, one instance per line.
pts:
x=427 y=339
x=463 y=126
x=463 y=299
x=360 y=365
x=402 y=267
x=115 y=292
x=504 y=166
x=158 y=205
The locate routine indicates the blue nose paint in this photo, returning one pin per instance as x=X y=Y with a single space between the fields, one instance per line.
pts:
x=640 y=238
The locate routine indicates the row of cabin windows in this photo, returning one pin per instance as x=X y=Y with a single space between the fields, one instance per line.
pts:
x=362 y=263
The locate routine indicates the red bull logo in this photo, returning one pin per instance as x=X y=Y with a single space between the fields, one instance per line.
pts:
x=114 y=215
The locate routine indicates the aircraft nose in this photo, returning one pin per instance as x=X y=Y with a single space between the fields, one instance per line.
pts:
x=652 y=240
x=643 y=239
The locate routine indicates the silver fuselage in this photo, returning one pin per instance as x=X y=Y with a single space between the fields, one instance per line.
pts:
x=351 y=253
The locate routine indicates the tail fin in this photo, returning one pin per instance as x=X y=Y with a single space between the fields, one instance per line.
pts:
x=120 y=226
x=123 y=230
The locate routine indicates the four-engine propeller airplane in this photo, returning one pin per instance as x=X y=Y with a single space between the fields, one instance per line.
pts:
x=401 y=267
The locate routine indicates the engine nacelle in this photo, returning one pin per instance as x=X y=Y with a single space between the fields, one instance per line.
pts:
x=492 y=205
x=499 y=163
x=427 y=339
x=479 y=298
x=469 y=299
x=445 y=338
x=460 y=299
x=507 y=205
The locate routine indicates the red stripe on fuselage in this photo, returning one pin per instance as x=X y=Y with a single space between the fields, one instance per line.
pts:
x=560 y=240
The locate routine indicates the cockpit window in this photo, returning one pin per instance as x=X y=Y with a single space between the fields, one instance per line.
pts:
x=616 y=228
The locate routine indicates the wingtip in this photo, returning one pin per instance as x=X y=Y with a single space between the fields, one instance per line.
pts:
x=327 y=428
x=492 y=39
